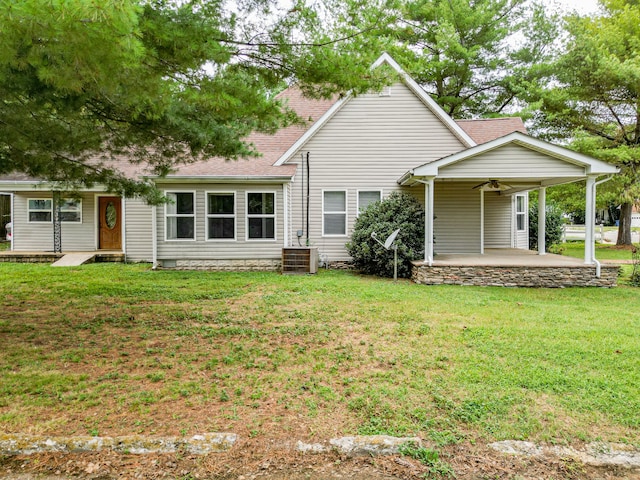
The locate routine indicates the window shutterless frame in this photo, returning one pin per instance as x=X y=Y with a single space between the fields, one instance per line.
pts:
x=40 y=210
x=221 y=218
x=180 y=216
x=366 y=198
x=260 y=216
x=334 y=213
x=521 y=213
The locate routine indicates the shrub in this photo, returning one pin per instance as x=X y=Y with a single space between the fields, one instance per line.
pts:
x=399 y=210
x=553 y=226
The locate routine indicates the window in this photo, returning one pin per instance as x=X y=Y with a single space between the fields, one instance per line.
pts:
x=261 y=215
x=41 y=210
x=221 y=216
x=521 y=212
x=71 y=210
x=180 y=216
x=366 y=198
x=334 y=213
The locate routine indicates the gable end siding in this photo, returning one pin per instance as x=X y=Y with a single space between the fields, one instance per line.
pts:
x=511 y=161
x=367 y=145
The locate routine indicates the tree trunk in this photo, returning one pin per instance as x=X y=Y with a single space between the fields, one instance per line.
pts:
x=624 y=230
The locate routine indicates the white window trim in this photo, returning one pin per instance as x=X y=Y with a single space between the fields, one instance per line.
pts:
x=79 y=200
x=523 y=213
x=29 y=210
x=379 y=190
x=247 y=216
x=168 y=215
x=51 y=211
x=346 y=213
x=208 y=215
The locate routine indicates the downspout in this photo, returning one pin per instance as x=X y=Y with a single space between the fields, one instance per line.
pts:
x=154 y=237
x=301 y=196
x=308 y=196
x=595 y=184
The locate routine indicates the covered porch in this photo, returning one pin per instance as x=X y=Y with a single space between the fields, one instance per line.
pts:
x=513 y=268
x=474 y=235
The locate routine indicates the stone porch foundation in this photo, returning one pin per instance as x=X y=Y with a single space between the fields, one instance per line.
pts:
x=516 y=276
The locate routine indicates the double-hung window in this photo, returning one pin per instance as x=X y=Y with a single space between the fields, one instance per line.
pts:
x=521 y=213
x=71 y=210
x=366 y=198
x=221 y=216
x=261 y=215
x=41 y=210
x=334 y=213
x=180 y=216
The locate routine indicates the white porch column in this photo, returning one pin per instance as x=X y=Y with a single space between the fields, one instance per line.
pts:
x=542 y=220
x=589 y=221
x=428 y=221
x=482 y=221
x=154 y=236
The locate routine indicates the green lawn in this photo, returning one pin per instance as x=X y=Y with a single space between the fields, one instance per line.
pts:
x=117 y=349
x=603 y=251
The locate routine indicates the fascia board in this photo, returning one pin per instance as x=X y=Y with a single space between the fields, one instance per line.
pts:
x=224 y=179
x=34 y=185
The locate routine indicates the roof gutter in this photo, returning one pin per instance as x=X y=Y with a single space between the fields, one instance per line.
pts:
x=404 y=179
x=224 y=179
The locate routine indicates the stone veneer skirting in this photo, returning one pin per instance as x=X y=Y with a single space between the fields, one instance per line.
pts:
x=266 y=265
x=51 y=257
x=517 y=276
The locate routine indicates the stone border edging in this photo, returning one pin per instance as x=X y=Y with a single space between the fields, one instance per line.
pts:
x=360 y=445
x=16 y=444
x=198 y=444
x=597 y=454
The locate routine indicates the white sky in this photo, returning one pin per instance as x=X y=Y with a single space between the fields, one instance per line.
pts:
x=581 y=6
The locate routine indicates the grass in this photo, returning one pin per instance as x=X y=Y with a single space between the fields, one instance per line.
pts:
x=603 y=251
x=118 y=349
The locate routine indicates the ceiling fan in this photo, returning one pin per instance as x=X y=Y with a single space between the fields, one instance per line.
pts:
x=495 y=185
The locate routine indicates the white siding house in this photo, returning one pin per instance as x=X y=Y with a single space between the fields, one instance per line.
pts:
x=308 y=185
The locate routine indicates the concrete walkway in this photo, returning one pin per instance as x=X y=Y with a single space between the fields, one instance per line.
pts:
x=74 y=259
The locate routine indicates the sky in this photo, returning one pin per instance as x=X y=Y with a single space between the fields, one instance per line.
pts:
x=582 y=6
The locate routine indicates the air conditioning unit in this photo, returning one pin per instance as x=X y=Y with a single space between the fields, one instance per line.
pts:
x=299 y=260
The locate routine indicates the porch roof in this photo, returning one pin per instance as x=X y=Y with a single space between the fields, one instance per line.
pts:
x=529 y=175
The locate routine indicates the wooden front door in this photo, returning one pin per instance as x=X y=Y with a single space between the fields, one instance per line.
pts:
x=110 y=223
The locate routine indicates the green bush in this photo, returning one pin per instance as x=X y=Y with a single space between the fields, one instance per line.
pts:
x=553 y=226
x=399 y=210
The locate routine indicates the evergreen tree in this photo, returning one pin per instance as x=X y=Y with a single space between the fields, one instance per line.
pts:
x=161 y=81
x=594 y=97
x=475 y=58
